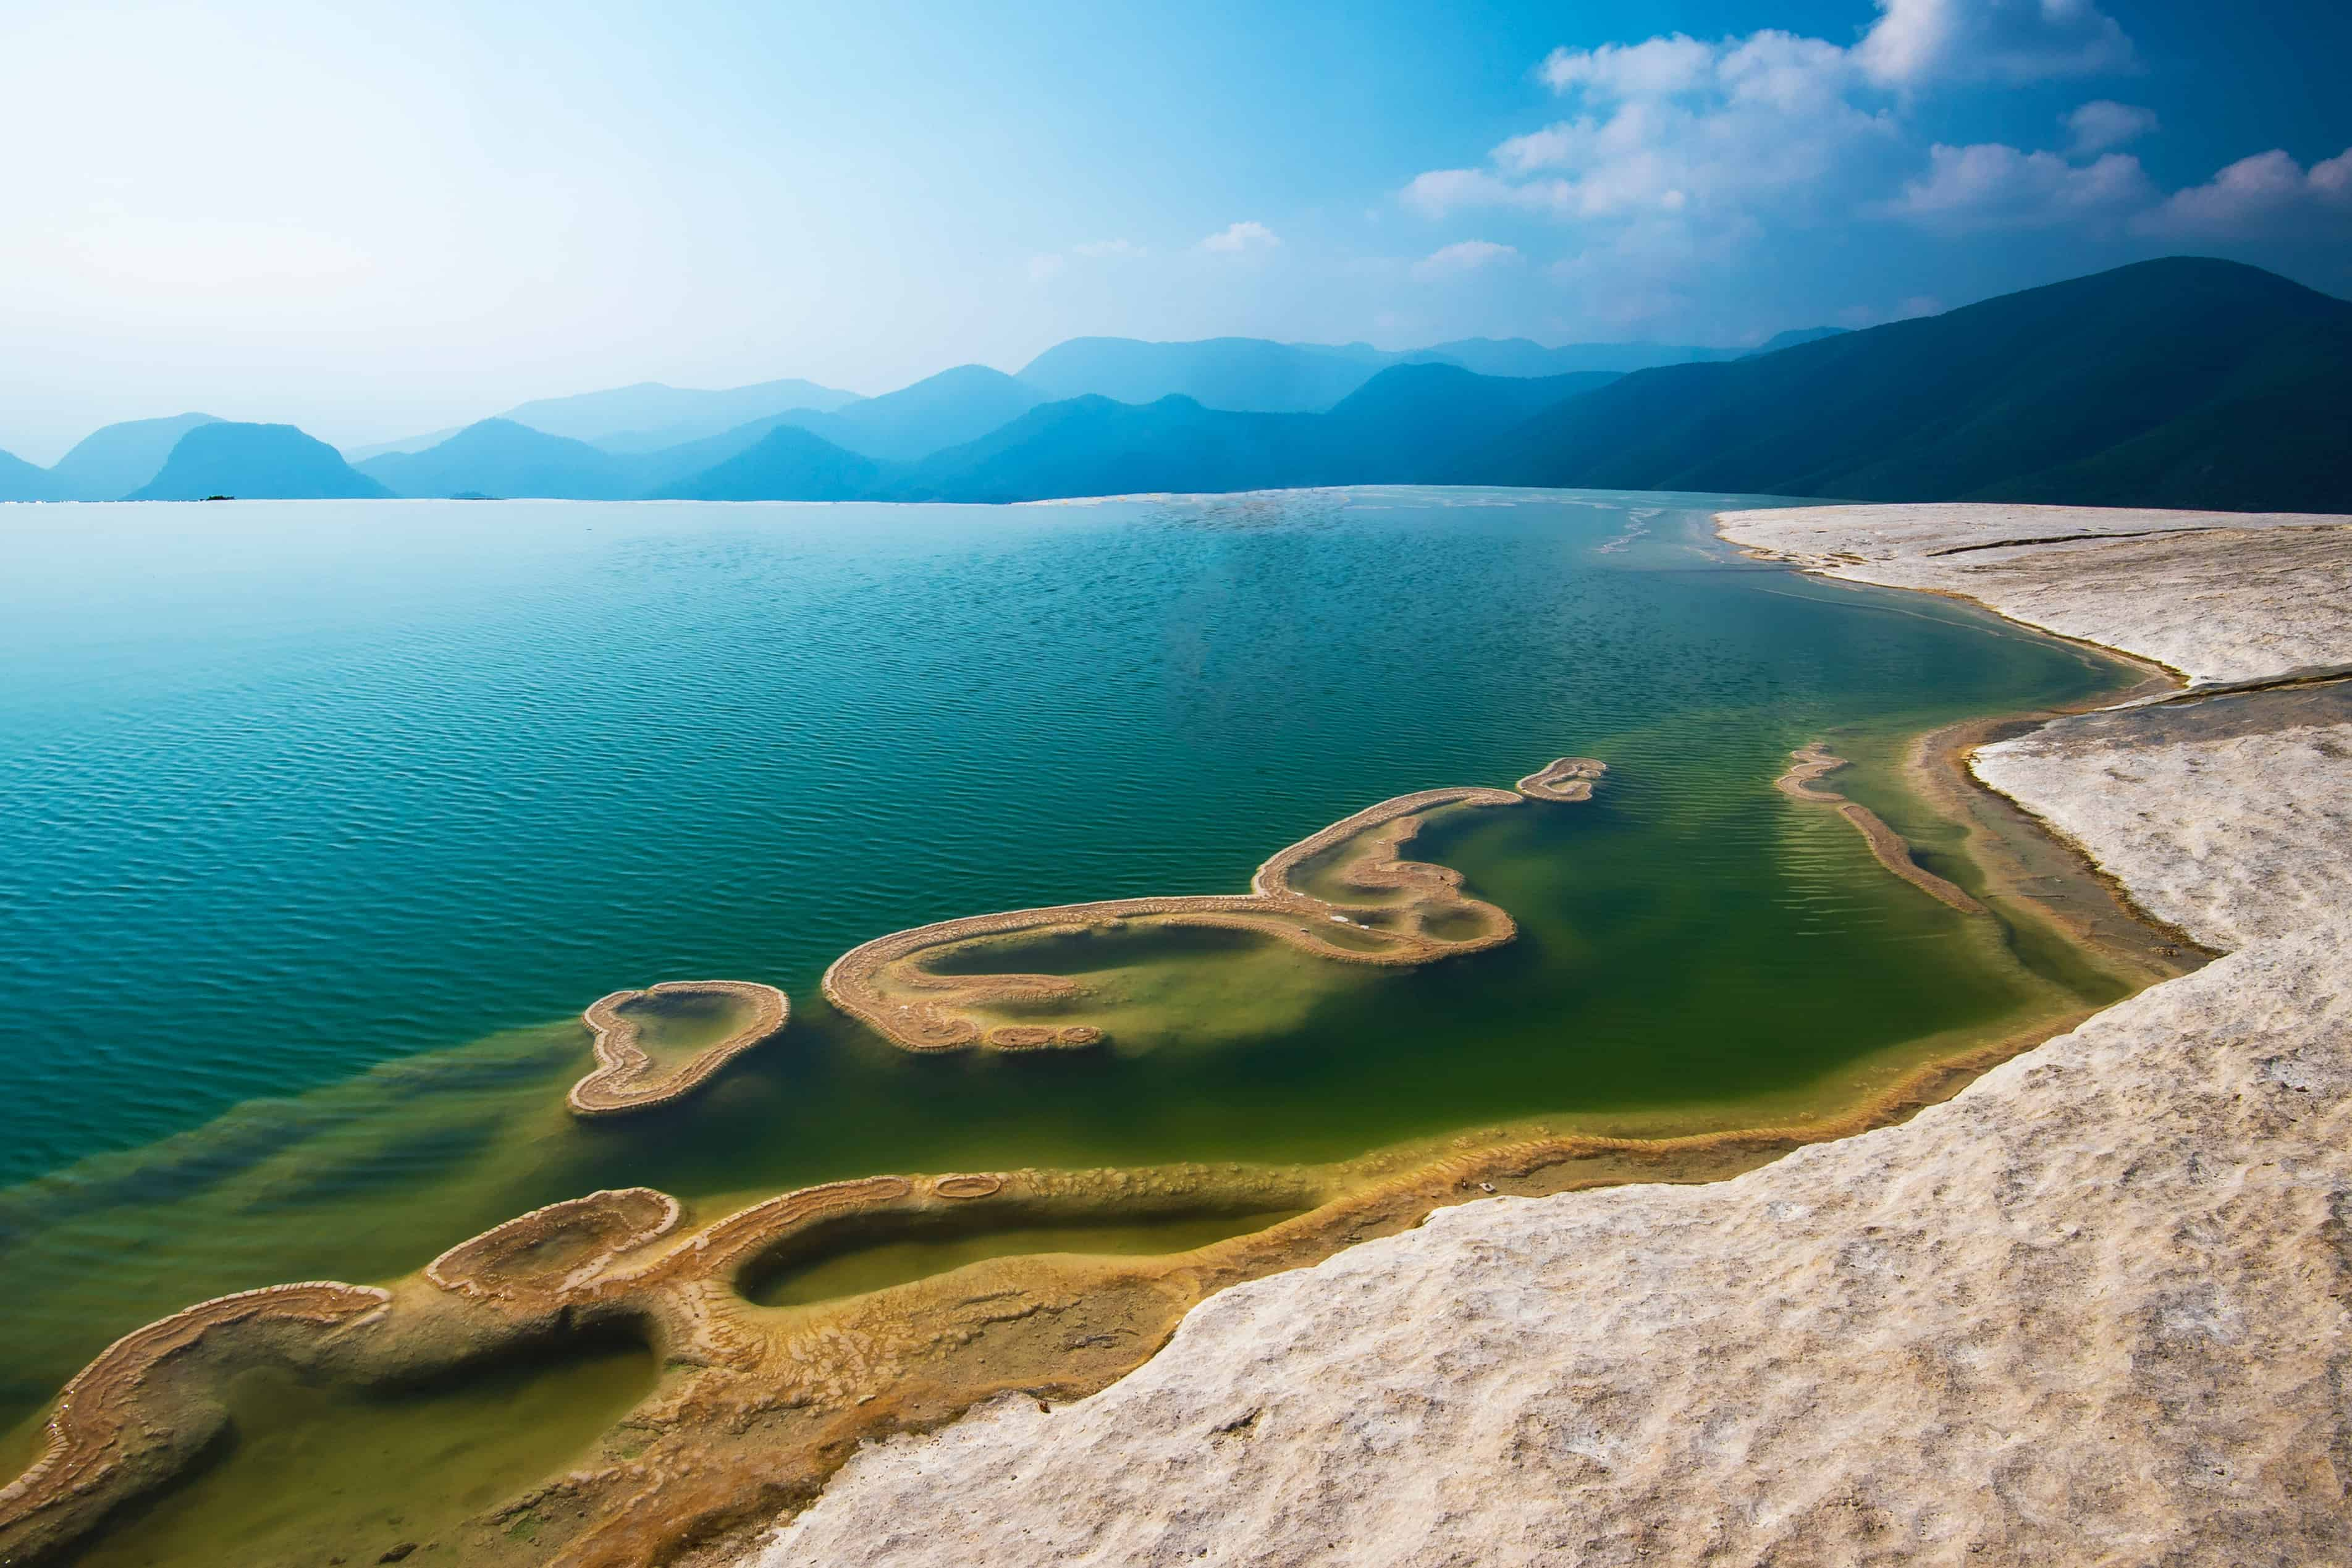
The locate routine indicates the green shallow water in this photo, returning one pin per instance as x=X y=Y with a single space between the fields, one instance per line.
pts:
x=330 y=816
x=307 y=1475
x=876 y=1259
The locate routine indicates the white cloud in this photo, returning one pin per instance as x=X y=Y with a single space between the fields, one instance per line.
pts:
x=1915 y=42
x=1675 y=124
x=2267 y=195
x=2103 y=123
x=1109 y=250
x=1468 y=255
x=1242 y=237
x=1661 y=65
x=1439 y=191
x=1991 y=185
x=1045 y=267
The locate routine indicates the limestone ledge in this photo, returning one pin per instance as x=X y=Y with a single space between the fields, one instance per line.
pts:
x=2217 y=595
x=2091 y=1309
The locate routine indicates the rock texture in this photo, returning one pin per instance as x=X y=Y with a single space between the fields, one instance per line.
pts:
x=2092 y=1309
x=2218 y=595
x=2230 y=817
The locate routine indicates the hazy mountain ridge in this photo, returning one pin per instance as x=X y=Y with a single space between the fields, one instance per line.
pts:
x=647 y=417
x=257 y=462
x=787 y=463
x=2178 y=383
x=21 y=480
x=2181 y=382
x=110 y=462
x=938 y=412
x=500 y=457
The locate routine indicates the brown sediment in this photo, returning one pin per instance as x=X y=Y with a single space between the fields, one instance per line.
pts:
x=759 y=1404
x=884 y=982
x=1813 y=762
x=2036 y=872
x=626 y=1079
x=968 y=1187
x=104 y=1440
x=563 y=1242
x=1565 y=779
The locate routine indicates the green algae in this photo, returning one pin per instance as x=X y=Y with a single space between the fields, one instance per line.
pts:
x=853 y=1265
x=1696 y=954
x=310 y=1474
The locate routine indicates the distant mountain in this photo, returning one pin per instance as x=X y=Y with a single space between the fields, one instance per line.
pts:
x=500 y=457
x=405 y=443
x=649 y=415
x=786 y=463
x=646 y=417
x=1412 y=423
x=1525 y=357
x=1251 y=374
x=1244 y=375
x=944 y=410
x=1095 y=446
x=264 y=462
x=1408 y=425
x=110 y=463
x=2181 y=382
x=1791 y=339
x=21 y=480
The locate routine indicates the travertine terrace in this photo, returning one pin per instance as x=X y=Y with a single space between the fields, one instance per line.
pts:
x=761 y=1403
x=1810 y=764
x=628 y=1079
x=1563 y=779
x=1381 y=910
x=2217 y=595
x=104 y=1440
x=2090 y=1309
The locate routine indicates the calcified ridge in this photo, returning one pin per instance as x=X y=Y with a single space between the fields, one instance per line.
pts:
x=626 y=1079
x=1387 y=919
x=758 y=1405
x=147 y=1407
x=1808 y=767
x=2089 y=1310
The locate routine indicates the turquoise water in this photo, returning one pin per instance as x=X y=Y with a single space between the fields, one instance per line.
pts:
x=307 y=797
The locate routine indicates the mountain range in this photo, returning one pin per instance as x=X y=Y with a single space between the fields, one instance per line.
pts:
x=2180 y=383
x=2183 y=382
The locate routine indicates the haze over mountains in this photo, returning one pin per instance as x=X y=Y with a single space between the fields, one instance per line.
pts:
x=2177 y=382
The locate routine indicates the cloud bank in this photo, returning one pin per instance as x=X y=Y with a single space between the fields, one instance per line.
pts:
x=1674 y=157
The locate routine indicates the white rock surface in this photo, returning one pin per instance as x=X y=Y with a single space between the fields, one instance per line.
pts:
x=2093 y=1310
x=2274 y=854
x=2218 y=595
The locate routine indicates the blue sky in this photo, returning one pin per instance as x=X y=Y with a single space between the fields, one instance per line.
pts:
x=370 y=220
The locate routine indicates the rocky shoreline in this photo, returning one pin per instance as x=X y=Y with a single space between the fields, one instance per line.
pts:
x=2092 y=1308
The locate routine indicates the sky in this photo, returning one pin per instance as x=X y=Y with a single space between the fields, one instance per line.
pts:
x=374 y=220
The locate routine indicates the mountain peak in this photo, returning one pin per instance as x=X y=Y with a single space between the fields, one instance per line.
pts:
x=266 y=462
